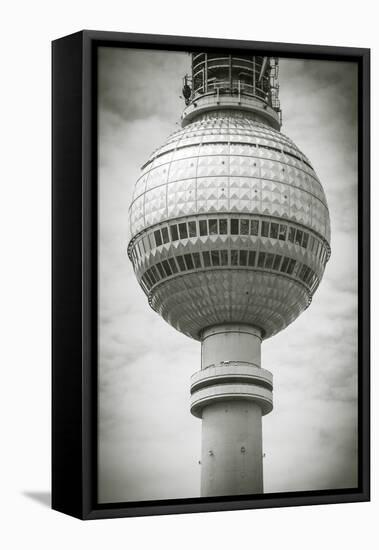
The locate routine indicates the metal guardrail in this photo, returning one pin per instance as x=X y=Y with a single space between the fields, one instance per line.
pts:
x=234 y=87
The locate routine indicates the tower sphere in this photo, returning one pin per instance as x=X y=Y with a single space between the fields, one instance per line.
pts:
x=229 y=222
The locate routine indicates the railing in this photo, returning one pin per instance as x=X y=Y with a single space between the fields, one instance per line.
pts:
x=230 y=87
x=256 y=76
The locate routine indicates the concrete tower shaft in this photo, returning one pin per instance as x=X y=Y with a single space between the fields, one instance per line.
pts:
x=231 y=393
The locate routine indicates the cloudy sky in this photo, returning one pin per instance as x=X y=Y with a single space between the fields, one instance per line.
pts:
x=149 y=443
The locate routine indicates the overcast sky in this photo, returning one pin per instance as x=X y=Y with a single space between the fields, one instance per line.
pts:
x=149 y=443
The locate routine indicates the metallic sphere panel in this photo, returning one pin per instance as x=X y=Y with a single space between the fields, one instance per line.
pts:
x=229 y=224
x=200 y=299
x=229 y=164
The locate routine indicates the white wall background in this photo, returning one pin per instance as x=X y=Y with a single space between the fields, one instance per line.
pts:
x=27 y=29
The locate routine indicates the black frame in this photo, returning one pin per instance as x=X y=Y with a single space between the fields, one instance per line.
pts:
x=74 y=298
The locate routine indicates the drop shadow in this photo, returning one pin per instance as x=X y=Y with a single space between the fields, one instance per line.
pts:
x=42 y=497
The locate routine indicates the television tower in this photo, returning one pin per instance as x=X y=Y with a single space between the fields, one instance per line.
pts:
x=230 y=237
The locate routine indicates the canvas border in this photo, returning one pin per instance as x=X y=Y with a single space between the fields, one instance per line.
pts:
x=74 y=273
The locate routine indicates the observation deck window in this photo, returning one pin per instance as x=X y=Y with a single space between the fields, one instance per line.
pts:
x=224 y=257
x=188 y=260
x=173 y=265
x=155 y=272
x=165 y=236
x=147 y=279
x=243 y=257
x=151 y=240
x=244 y=227
x=182 y=265
x=234 y=223
x=303 y=273
x=196 y=259
x=203 y=228
x=269 y=261
x=284 y=265
x=161 y=272
x=282 y=232
x=291 y=266
x=167 y=268
x=234 y=257
x=154 y=280
x=158 y=238
x=274 y=229
x=251 y=260
x=291 y=234
x=299 y=236
x=304 y=242
x=277 y=261
x=183 y=231
x=215 y=258
x=254 y=227
x=261 y=259
x=213 y=227
x=174 y=232
x=192 y=229
x=265 y=229
x=223 y=226
x=207 y=259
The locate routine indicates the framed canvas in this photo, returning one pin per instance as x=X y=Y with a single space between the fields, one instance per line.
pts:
x=210 y=275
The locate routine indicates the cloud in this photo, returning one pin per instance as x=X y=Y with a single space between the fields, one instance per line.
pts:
x=135 y=84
